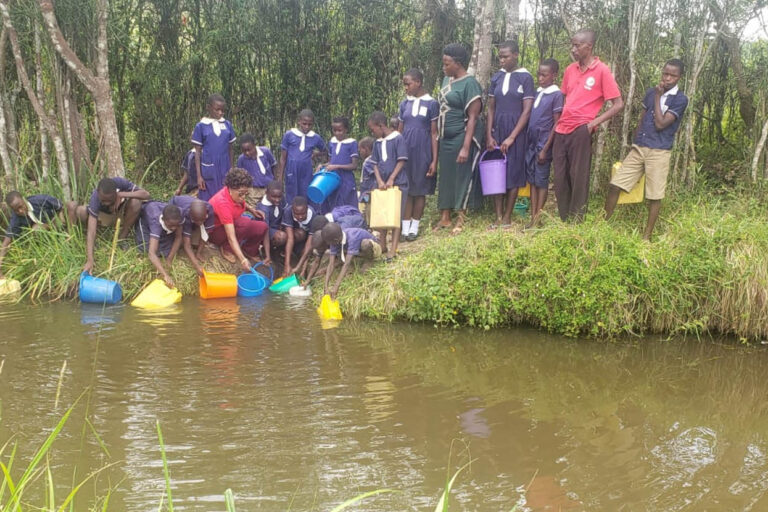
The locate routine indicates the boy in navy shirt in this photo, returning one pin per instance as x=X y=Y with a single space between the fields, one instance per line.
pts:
x=296 y=223
x=346 y=243
x=663 y=107
x=273 y=205
x=158 y=232
x=541 y=133
x=113 y=198
x=34 y=212
x=198 y=222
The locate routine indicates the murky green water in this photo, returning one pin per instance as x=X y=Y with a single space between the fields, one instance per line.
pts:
x=254 y=396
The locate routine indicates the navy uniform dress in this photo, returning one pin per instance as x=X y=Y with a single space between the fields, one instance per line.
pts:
x=298 y=165
x=215 y=136
x=387 y=152
x=417 y=116
x=151 y=225
x=342 y=153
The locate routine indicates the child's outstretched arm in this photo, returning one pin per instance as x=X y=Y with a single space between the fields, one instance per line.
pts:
x=192 y=256
x=267 y=251
x=175 y=247
x=329 y=272
x=314 y=267
x=180 y=189
x=342 y=273
x=289 y=242
x=198 y=159
x=300 y=267
x=152 y=253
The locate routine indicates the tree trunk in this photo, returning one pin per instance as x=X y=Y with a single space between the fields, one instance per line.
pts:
x=746 y=101
x=636 y=9
x=480 y=64
x=45 y=160
x=759 y=150
x=4 y=156
x=49 y=122
x=511 y=19
x=97 y=84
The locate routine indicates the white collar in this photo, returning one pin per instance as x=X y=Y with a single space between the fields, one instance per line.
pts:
x=162 y=224
x=300 y=133
x=391 y=136
x=425 y=97
x=210 y=120
x=343 y=243
x=307 y=220
x=518 y=70
x=549 y=90
x=31 y=213
x=266 y=202
x=673 y=91
x=259 y=152
x=345 y=141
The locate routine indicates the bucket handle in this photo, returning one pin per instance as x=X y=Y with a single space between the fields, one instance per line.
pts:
x=271 y=271
x=497 y=148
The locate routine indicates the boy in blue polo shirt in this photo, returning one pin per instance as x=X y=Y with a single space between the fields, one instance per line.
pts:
x=34 y=212
x=159 y=232
x=663 y=107
x=541 y=133
x=198 y=222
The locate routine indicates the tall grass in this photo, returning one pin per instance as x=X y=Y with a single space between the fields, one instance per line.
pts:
x=707 y=271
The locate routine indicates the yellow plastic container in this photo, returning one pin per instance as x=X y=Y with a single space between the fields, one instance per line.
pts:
x=524 y=191
x=9 y=286
x=329 y=309
x=385 y=208
x=636 y=195
x=217 y=286
x=157 y=295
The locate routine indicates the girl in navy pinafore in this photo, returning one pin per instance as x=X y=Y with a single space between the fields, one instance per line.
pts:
x=343 y=161
x=212 y=138
x=510 y=99
x=418 y=124
x=298 y=147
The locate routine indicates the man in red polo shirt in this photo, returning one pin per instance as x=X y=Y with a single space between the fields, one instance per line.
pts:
x=587 y=85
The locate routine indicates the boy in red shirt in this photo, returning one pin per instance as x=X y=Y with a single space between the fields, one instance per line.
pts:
x=587 y=85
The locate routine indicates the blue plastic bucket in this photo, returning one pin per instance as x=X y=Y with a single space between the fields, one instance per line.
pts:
x=323 y=185
x=253 y=284
x=99 y=291
x=493 y=174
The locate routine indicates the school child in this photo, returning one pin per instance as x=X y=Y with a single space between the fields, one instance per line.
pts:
x=367 y=177
x=188 y=183
x=510 y=99
x=33 y=212
x=159 y=231
x=390 y=153
x=296 y=224
x=260 y=164
x=343 y=161
x=113 y=198
x=238 y=237
x=418 y=124
x=300 y=145
x=541 y=133
x=272 y=205
x=346 y=243
x=213 y=137
x=198 y=224
x=663 y=107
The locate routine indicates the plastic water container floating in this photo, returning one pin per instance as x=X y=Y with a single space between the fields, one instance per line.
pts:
x=157 y=295
x=385 y=208
x=253 y=284
x=284 y=285
x=493 y=173
x=323 y=184
x=217 y=286
x=96 y=290
x=9 y=287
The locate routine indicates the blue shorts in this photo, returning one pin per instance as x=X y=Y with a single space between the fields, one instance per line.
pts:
x=535 y=173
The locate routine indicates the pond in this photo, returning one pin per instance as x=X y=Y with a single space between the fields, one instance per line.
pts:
x=254 y=396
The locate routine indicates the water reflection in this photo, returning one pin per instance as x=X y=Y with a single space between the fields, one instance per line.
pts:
x=254 y=395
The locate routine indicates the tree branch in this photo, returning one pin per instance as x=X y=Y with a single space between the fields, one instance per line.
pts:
x=62 y=47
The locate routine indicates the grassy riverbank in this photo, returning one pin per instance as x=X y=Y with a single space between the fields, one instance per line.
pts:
x=706 y=271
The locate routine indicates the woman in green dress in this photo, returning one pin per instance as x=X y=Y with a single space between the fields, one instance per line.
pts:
x=460 y=136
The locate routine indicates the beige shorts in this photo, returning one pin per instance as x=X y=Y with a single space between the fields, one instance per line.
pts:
x=653 y=162
x=255 y=195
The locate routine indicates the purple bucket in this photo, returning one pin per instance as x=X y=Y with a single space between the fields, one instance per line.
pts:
x=493 y=174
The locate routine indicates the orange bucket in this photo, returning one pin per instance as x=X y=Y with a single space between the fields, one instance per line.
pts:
x=217 y=286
